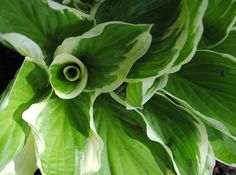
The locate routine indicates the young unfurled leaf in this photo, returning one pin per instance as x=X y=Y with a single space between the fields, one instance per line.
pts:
x=127 y=150
x=68 y=76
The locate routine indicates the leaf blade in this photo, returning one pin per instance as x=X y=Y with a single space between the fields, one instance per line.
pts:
x=29 y=85
x=177 y=128
x=65 y=142
x=207 y=84
x=176 y=32
x=127 y=150
x=49 y=33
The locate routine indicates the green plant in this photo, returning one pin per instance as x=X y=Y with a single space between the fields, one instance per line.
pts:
x=120 y=87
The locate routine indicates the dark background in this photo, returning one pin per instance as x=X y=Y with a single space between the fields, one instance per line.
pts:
x=11 y=61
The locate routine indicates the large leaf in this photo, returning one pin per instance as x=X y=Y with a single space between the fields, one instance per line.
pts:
x=178 y=129
x=65 y=143
x=218 y=20
x=222 y=142
x=29 y=86
x=127 y=150
x=176 y=32
x=46 y=24
x=208 y=84
x=108 y=51
x=24 y=162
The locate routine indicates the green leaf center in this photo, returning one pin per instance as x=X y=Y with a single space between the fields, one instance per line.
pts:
x=71 y=72
x=68 y=76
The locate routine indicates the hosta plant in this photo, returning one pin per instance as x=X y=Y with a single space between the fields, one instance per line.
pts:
x=119 y=87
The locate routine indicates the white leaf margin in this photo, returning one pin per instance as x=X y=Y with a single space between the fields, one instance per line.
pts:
x=90 y=161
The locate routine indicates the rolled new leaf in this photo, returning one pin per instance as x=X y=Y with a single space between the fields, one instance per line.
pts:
x=68 y=76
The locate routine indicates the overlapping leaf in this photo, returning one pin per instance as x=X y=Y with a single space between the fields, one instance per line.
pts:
x=175 y=127
x=136 y=94
x=65 y=143
x=221 y=142
x=224 y=146
x=46 y=24
x=24 y=162
x=176 y=32
x=161 y=134
x=127 y=150
x=218 y=20
x=228 y=45
x=208 y=84
x=29 y=86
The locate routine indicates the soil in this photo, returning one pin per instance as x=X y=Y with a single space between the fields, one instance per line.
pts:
x=221 y=169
